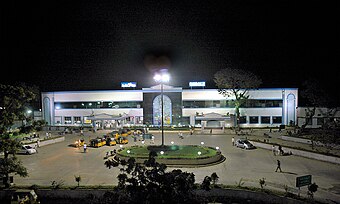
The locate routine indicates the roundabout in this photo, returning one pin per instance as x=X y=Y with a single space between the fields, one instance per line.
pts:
x=174 y=155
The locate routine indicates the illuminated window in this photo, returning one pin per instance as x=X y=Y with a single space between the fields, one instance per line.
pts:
x=68 y=120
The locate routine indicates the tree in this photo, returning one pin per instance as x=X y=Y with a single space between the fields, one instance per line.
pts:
x=14 y=103
x=150 y=183
x=206 y=183
x=234 y=84
x=315 y=97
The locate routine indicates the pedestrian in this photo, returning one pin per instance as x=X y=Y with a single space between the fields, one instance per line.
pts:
x=135 y=139
x=233 y=141
x=152 y=139
x=278 y=166
x=38 y=143
x=81 y=132
x=180 y=135
x=280 y=150
x=85 y=147
x=274 y=150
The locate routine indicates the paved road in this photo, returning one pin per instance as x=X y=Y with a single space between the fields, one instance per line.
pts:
x=60 y=162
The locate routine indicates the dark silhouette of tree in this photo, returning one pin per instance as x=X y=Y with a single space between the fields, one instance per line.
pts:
x=151 y=183
x=206 y=183
x=234 y=84
x=315 y=96
x=14 y=103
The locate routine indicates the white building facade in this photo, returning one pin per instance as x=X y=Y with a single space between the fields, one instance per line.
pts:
x=267 y=107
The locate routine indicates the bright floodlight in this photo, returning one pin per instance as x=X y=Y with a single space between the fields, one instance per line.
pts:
x=162 y=152
x=199 y=153
x=164 y=77
x=157 y=77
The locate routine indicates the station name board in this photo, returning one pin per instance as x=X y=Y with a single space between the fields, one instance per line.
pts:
x=196 y=83
x=128 y=84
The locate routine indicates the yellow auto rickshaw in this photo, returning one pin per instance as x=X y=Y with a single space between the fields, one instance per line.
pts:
x=110 y=141
x=121 y=140
x=98 y=142
x=79 y=143
x=125 y=132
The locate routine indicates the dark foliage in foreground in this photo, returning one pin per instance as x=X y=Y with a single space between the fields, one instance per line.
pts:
x=150 y=183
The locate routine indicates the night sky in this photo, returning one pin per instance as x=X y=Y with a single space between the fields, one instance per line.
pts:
x=94 y=45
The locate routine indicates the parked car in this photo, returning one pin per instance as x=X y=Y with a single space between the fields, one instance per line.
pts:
x=26 y=149
x=245 y=144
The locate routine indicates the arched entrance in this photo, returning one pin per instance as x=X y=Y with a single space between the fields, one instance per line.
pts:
x=157 y=110
x=47 y=110
x=291 y=104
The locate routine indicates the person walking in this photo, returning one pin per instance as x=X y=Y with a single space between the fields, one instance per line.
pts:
x=135 y=139
x=233 y=141
x=278 y=166
x=85 y=147
x=274 y=150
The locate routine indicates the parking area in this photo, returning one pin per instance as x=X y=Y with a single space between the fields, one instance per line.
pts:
x=61 y=162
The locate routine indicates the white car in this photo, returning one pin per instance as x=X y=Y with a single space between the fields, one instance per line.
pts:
x=245 y=144
x=26 y=149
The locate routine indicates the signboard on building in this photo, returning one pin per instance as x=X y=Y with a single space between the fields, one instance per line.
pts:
x=303 y=180
x=128 y=84
x=196 y=83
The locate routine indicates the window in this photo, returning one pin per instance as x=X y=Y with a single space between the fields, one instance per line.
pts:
x=77 y=119
x=277 y=119
x=253 y=119
x=68 y=120
x=98 y=104
x=265 y=119
x=243 y=119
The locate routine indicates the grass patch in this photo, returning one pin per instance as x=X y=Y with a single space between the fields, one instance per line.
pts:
x=170 y=152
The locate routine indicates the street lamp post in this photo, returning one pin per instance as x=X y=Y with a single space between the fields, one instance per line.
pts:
x=163 y=77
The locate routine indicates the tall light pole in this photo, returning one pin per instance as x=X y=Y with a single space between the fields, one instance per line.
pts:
x=162 y=78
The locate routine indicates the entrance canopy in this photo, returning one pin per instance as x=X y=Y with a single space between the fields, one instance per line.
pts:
x=212 y=116
x=105 y=116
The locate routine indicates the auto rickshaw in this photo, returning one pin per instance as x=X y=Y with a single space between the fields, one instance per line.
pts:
x=121 y=140
x=110 y=141
x=125 y=132
x=112 y=134
x=139 y=131
x=79 y=143
x=98 y=142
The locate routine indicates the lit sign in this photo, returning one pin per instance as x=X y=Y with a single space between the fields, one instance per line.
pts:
x=128 y=84
x=196 y=83
x=87 y=121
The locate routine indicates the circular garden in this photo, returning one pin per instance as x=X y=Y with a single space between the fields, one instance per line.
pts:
x=174 y=155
